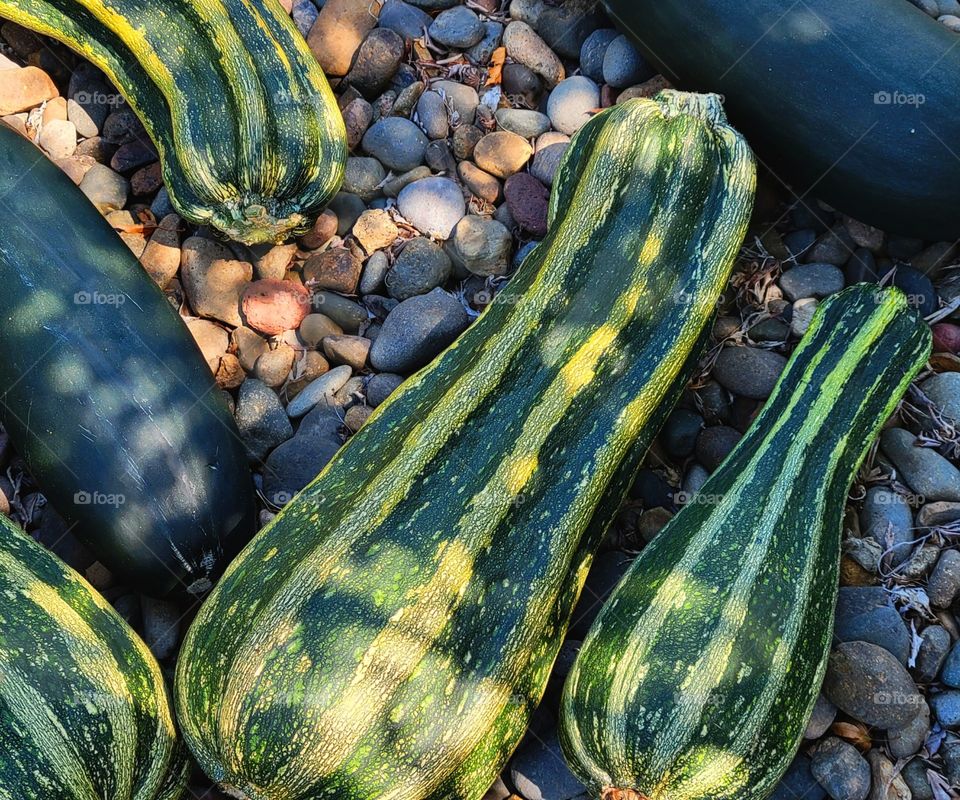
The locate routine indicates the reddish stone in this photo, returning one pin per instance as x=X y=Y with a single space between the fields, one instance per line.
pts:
x=272 y=306
x=528 y=201
x=337 y=270
x=147 y=180
x=323 y=230
x=946 y=338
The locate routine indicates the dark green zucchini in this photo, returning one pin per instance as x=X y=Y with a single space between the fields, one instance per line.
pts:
x=699 y=675
x=248 y=130
x=104 y=392
x=853 y=101
x=391 y=632
x=84 y=712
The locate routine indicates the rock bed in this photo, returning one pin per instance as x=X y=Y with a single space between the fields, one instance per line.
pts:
x=458 y=115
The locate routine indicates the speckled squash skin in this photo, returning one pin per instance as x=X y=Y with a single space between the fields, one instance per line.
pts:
x=105 y=394
x=246 y=125
x=84 y=713
x=389 y=634
x=698 y=677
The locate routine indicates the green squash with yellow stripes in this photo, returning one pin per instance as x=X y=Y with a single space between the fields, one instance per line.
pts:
x=698 y=677
x=84 y=712
x=248 y=131
x=391 y=631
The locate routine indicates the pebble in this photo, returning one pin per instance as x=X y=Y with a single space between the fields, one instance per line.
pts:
x=748 y=371
x=540 y=773
x=346 y=349
x=315 y=327
x=397 y=143
x=262 y=422
x=465 y=141
x=841 y=770
x=273 y=261
x=822 y=717
x=907 y=741
x=249 y=346
x=404 y=19
x=550 y=150
x=336 y=269
x=798 y=782
x=462 y=98
x=811 y=280
x=416 y=331
x=801 y=317
x=593 y=52
x=799 y=242
x=943 y=390
x=886 y=779
x=325 y=386
x=944 y=583
x=296 y=462
x=345 y=313
x=714 y=445
x=946 y=708
x=481 y=246
x=457 y=27
x=482 y=52
x=90 y=99
x=420 y=267
x=833 y=247
x=934 y=648
x=624 y=66
x=161 y=257
x=923 y=469
x=867 y=614
x=104 y=188
x=680 y=432
x=377 y=61
x=566 y=25
x=481 y=184
x=886 y=518
x=24 y=88
x=304 y=14
x=525 y=123
x=946 y=338
x=915 y=775
x=161 y=624
x=274 y=366
x=355 y=417
x=868 y=683
x=432 y=115
x=950 y=671
x=918 y=288
x=571 y=103
x=433 y=206
x=525 y=47
x=521 y=85
x=375 y=230
x=213 y=279
x=341 y=27
x=502 y=153
x=272 y=306
x=371 y=281
x=58 y=138
x=381 y=386
x=528 y=201
x=861 y=267
x=362 y=178
x=358 y=117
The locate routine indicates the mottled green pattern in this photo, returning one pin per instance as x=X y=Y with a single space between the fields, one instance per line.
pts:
x=698 y=677
x=389 y=634
x=84 y=713
x=248 y=130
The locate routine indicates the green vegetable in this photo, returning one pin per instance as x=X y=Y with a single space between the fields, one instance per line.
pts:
x=105 y=394
x=697 y=679
x=389 y=634
x=248 y=130
x=826 y=98
x=84 y=712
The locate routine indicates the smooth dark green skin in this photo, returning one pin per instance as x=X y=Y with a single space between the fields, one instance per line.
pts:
x=31 y=644
x=861 y=409
x=143 y=399
x=799 y=80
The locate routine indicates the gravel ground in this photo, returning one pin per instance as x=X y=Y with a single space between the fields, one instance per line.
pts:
x=458 y=115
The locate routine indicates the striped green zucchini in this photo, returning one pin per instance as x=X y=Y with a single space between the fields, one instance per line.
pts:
x=84 y=713
x=389 y=634
x=248 y=130
x=697 y=679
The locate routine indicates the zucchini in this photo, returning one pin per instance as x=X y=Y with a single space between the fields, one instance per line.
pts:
x=105 y=394
x=698 y=677
x=248 y=130
x=823 y=97
x=389 y=634
x=84 y=712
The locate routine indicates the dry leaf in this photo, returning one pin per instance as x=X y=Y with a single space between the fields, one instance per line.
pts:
x=497 y=60
x=854 y=732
